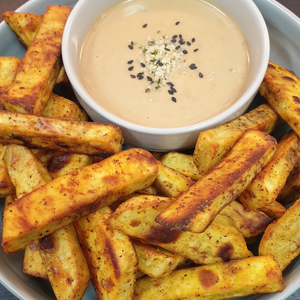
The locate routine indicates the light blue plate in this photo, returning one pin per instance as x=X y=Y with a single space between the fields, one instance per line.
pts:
x=284 y=28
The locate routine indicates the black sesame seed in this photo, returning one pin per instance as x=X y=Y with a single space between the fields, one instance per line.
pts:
x=174 y=36
x=193 y=40
x=174 y=41
x=180 y=36
x=192 y=66
x=174 y=99
x=130 y=62
x=170 y=92
x=160 y=64
x=149 y=78
x=196 y=50
x=145 y=25
x=170 y=83
x=181 y=42
x=139 y=74
x=130 y=47
x=177 y=47
x=177 y=23
x=200 y=75
x=140 y=77
x=132 y=76
x=184 y=52
x=130 y=68
x=167 y=49
x=188 y=43
x=173 y=90
x=143 y=65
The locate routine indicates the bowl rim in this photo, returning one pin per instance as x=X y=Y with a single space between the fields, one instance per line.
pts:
x=89 y=101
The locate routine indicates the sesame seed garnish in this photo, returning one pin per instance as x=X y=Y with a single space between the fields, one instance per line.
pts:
x=170 y=83
x=130 y=68
x=149 y=78
x=174 y=99
x=193 y=40
x=145 y=25
x=170 y=92
x=130 y=62
x=184 y=52
x=196 y=50
x=181 y=42
x=200 y=75
x=192 y=66
x=167 y=49
x=174 y=36
x=177 y=47
x=143 y=65
x=132 y=76
x=188 y=43
x=139 y=74
x=177 y=23
x=180 y=36
x=140 y=77
x=174 y=41
x=130 y=47
x=174 y=90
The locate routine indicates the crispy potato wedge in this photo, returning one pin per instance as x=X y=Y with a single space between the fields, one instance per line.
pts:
x=282 y=238
x=182 y=163
x=220 y=242
x=76 y=194
x=36 y=74
x=150 y=190
x=170 y=183
x=218 y=281
x=281 y=88
x=196 y=208
x=61 y=108
x=89 y=138
x=8 y=69
x=249 y=224
x=6 y=186
x=65 y=263
x=24 y=25
x=291 y=191
x=274 y=210
x=212 y=145
x=267 y=185
x=110 y=255
x=154 y=261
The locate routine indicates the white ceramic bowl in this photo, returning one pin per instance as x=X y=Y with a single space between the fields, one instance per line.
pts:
x=247 y=16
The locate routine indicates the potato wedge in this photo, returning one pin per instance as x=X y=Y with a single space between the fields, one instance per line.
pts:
x=36 y=74
x=196 y=208
x=282 y=238
x=249 y=224
x=220 y=242
x=267 y=185
x=154 y=261
x=24 y=25
x=218 y=281
x=6 y=186
x=182 y=163
x=8 y=69
x=76 y=194
x=65 y=263
x=170 y=183
x=291 y=191
x=89 y=138
x=281 y=88
x=274 y=210
x=212 y=145
x=110 y=255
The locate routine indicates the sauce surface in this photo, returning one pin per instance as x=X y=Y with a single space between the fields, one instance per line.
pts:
x=211 y=65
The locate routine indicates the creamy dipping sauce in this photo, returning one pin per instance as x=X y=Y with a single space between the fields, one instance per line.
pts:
x=165 y=63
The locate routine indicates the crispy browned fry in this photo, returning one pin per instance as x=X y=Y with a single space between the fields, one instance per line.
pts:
x=110 y=255
x=24 y=25
x=212 y=145
x=8 y=69
x=196 y=208
x=40 y=66
x=274 y=210
x=171 y=183
x=266 y=186
x=89 y=138
x=150 y=190
x=182 y=163
x=281 y=88
x=220 y=242
x=291 y=191
x=6 y=186
x=154 y=261
x=282 y=238
x=76 y=194
x=61 y=108
x=249 y=224
x=219 y=281
x=65 y=263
